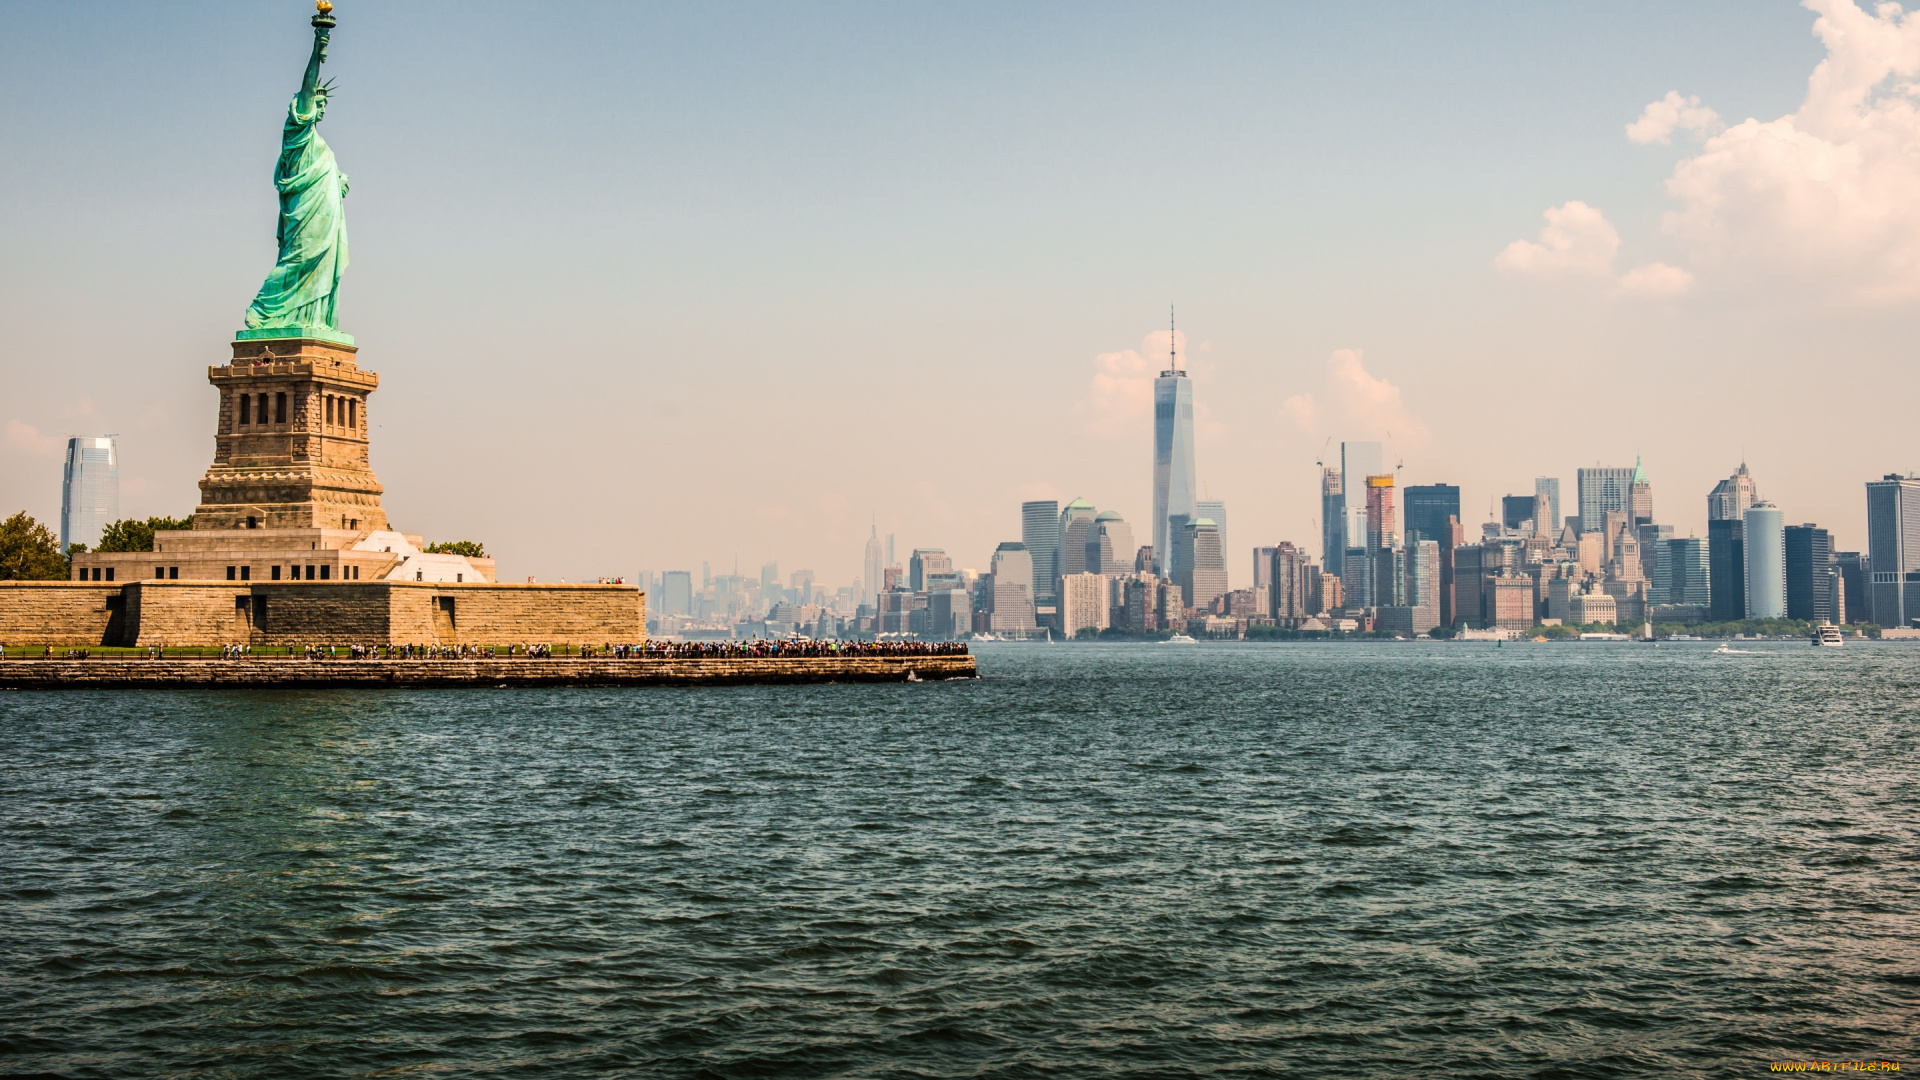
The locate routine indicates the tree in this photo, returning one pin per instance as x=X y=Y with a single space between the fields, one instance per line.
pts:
x=136 y=535
x=472 y=549
x=28 y=552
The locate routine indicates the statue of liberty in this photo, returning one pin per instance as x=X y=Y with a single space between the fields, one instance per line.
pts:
x=305 y=282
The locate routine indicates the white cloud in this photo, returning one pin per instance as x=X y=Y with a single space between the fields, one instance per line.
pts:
x=1659 y=120
x=1576 y=239
x=1822 y=198
x=1655 y=280
x=1120 y=399
x=27 y=438
x=1355 y=403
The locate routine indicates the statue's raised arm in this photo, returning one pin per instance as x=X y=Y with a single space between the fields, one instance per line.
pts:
x=312 y=234
x=310 y=89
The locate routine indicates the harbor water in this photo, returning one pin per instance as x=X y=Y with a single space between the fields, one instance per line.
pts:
x=1566 y=860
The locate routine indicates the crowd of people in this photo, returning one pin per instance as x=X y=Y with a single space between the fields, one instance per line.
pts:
x=736 y=650
x=755 y=649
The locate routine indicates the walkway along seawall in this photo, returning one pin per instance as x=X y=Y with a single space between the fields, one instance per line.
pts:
x=118 y=673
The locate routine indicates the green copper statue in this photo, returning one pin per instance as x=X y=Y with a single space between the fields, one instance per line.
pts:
x=305 y=282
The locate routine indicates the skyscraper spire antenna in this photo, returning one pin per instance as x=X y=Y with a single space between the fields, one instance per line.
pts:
x=1173 y=363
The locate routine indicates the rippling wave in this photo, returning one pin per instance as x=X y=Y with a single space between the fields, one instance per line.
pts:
x=1100 y=861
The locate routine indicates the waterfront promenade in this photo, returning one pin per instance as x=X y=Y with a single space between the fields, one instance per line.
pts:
x=196 y=672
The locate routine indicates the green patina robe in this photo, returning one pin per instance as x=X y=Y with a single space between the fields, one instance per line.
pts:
x=305 y=280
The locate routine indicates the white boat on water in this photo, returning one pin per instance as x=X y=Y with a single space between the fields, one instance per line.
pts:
x=1177 y=639
x=1827 y=634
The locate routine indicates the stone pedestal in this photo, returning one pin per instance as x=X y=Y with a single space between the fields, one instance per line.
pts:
x=290 y=449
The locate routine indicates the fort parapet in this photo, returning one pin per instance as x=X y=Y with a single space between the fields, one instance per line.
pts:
x=66 y=614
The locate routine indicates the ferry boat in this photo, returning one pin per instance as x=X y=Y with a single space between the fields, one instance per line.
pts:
x=1177 y=639
x=1827 y=634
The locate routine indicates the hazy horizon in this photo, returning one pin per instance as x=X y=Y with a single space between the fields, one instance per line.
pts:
x=647 y=286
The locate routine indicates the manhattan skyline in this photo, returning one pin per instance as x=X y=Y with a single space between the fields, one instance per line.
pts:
x=1414 y=230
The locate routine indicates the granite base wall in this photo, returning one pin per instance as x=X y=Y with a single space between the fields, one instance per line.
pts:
x=63 y=614
x=182 y=613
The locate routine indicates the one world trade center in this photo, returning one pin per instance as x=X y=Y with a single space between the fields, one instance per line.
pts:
x=1172 y=457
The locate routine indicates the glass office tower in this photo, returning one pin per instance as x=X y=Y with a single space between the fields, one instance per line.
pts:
x=1893 y=549
x=1333 y=519
x=1040 y=532
x=1173 y=485
x=1358 y=460
x=89 y=491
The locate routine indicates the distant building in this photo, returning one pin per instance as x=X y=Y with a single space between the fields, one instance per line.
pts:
x=1076 y=522
x=1516 y=510
x=1590 y=552
x=1389 y=577
x=1469 y=591
x=1639 y=496
x=1215 y=510
x=676 y=593
x=1560 y=594
x=1083 y=603
x=1423 y=585
x=1653 y=548
x=1263 y=567
x=1452 y=535
x=1358 y=460
x=1326 y=592
x=1204 y=575
x=1856 y=579
x=1357 y=579
x=925 y=566
x=1180 y=558
x=1510 y=600
x=1333 y=521
x=1812 y=578
x=1594 y=607
x=1730 y=498
x=1287 y=583
x=1766 y=550
x=1013 y=608
x=874 y=565
x=1549 y=487
x=1382 y=531
x=897 y=610
x=1727 y=569
x=1624 y=565
x=89 y=490
x=1682 y=574
x=1425 y=510
x=1040 y=533
x=949 y=614
x=1893 y=549
x=1139 y=604
x=1602 y=490
x=1110 y=548
x=1173 y=483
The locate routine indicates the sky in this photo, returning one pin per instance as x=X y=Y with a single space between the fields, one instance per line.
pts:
x=653 y=284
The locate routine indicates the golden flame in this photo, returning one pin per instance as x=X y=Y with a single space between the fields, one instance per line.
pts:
x=322 y=6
